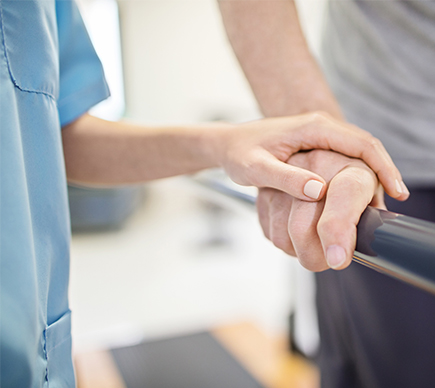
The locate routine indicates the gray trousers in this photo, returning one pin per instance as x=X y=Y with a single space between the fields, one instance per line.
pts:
x=377 y=332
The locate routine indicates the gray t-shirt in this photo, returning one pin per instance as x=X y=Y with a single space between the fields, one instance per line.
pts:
x=379 y=58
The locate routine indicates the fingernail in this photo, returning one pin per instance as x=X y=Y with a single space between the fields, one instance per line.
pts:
x=404 y=188
x=335 y=256
x=398 y=187
x=313 y=189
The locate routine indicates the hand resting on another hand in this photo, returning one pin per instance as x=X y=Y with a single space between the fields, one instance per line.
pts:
x=321 y=234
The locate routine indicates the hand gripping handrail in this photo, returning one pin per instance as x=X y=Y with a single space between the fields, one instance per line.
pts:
x=397 y=245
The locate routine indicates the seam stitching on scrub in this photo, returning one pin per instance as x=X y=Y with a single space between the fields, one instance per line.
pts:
x=59 y=343
x=46 y=354
x=14 y=81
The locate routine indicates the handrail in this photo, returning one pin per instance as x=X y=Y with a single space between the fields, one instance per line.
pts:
x=397 y=245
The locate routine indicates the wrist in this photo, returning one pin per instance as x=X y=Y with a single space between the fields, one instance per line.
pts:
x=215 y=141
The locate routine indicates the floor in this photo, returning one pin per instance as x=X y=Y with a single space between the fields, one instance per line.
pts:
x=186 y=260
x=264 y=357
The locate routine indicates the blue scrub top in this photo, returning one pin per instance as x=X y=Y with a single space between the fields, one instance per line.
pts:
x=49 y=76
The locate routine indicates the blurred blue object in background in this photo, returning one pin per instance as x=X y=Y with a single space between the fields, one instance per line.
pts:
x=102 y=209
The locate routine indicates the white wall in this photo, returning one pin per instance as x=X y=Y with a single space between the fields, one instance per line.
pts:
x=102 y=22
x=179 y=66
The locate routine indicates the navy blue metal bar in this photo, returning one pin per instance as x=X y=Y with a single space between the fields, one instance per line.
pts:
x=398 y=245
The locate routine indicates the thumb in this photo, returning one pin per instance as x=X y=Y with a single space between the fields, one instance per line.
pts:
x=296 y=181
x=349 y=193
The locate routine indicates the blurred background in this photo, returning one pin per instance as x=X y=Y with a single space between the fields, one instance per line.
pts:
x=170 y=257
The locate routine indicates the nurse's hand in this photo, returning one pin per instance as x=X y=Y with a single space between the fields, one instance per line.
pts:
x=321 y=234
x=256 y=153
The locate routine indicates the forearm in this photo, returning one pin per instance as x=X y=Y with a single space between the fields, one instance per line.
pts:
x=104 y=153
x=99 y=152
x=269 y=43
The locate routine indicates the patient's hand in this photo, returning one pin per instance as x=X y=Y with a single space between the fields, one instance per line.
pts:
x=321 y=234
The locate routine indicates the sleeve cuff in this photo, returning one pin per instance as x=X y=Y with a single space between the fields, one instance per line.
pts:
x=75 y=105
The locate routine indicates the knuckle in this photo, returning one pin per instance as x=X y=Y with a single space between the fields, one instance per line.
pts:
x=251 y=168
x=374 y=143
x=312 y=257
x=325 y=227
x=318 y=158
x=354 y=182
x=336 y=229
x=357 y=184
x=282 y=242
x=311 y=160
x=320 y=116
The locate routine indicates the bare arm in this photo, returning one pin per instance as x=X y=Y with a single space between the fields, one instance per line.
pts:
x=268 y=41
x=100 y=152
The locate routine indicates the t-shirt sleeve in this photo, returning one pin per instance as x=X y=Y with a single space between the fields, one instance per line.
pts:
x=82 y=81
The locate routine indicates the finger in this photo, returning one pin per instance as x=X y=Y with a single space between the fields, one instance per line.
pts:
x=328 y=133
x=262 y=203
x=295 y=181
x=348 y=195
x=277 y=205
x=378 y=200
x=302 y=227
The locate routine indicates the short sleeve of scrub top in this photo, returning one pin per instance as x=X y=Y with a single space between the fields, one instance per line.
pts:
x=49 y=76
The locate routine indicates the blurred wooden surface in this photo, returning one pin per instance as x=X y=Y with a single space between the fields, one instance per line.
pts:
x=97 y=370
x=266 y=358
